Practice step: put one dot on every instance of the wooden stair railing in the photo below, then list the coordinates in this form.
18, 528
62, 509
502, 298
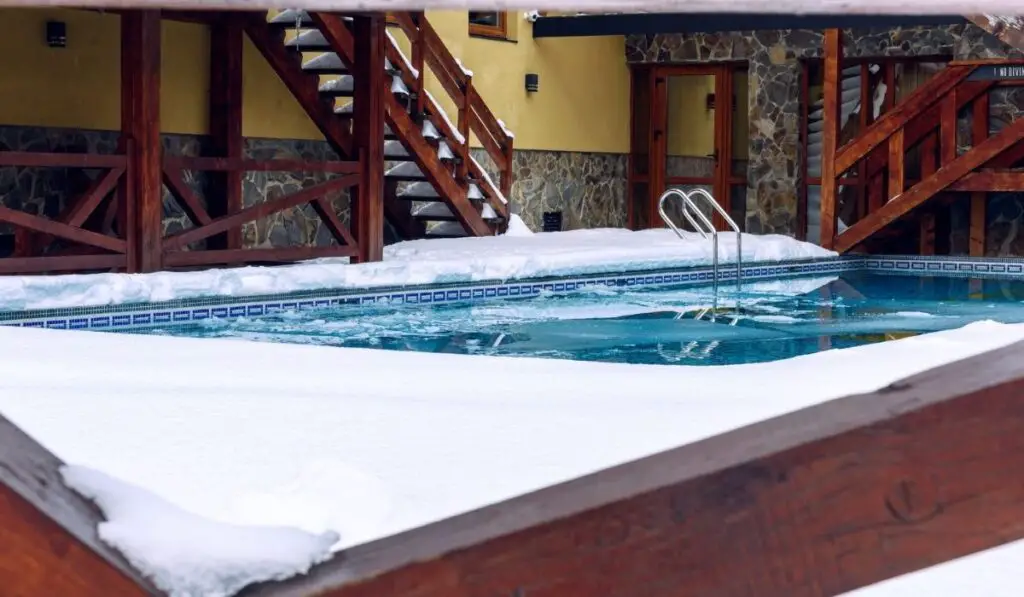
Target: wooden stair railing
927, 119
473, 114
338, 36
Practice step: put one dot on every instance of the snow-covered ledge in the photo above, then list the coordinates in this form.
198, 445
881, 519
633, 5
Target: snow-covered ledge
520, 253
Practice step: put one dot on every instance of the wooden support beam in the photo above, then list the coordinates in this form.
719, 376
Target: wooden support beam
78, 210
174, 178
947, 175
275, 255
48, 540
820, 501
140, 124
947, 129
259, 210
924, 96
897, 172
979, 199
225, 112
62, 262
368, 131
864, 120
830, 136
1009, 181
57, 229
184, 162
40, 159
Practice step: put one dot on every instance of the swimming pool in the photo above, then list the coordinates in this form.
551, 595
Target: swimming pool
767, 321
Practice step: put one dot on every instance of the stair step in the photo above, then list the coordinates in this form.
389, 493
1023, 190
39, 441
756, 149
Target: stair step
342, 86
424, 191
309, 39
447, 230
327, 63
438, 211
404, 172
395, 151
286, 18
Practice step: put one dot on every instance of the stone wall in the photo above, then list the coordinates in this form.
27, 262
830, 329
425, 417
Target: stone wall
588, 188
773, 104
45, 190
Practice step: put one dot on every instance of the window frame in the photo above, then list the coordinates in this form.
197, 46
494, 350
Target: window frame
499, 31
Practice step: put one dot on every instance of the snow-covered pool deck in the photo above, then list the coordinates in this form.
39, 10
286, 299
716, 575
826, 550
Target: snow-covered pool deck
369, 443
521, 255
365, 443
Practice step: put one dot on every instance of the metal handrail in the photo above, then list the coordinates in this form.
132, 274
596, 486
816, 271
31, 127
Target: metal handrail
709, 228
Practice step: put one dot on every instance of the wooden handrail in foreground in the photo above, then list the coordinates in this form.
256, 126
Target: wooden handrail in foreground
48, 538
817, 502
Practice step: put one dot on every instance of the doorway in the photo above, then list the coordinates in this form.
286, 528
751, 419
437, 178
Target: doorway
685, 135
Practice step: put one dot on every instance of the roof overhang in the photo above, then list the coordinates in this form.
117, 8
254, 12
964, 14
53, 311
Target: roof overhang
651, 23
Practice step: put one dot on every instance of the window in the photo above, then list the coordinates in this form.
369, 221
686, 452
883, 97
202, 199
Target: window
488, 24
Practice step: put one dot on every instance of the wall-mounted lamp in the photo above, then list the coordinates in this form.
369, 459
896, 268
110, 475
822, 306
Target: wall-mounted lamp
532, 82
56, 34
709, 101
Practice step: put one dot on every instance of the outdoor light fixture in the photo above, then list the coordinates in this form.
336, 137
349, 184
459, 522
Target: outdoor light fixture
56, 34
532, 82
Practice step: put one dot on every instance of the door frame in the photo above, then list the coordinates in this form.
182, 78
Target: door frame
657, 139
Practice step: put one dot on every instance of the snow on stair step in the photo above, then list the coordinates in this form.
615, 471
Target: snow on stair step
444, 153
447, 229
438, 210
430, 131
394, 150
425, 190
398, 87
343, 85
287, 18
326, 63
310, 39
406, 170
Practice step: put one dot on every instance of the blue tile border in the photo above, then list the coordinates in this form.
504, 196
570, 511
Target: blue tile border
965, 267
188, 311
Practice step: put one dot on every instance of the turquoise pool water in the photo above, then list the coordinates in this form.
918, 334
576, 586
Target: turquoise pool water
767, 321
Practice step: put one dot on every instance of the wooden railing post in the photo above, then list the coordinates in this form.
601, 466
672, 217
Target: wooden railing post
979, 132
830, 136
140, 123
506, 173
418, 49
368, 132
465, 114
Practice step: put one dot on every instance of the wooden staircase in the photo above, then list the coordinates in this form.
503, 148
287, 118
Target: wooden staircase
433, 187
912, 153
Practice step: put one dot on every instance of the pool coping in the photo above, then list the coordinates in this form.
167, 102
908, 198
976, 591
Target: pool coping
191, 310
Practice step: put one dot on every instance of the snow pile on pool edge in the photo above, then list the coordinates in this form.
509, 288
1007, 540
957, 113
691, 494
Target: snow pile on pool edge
519, 254
186, 555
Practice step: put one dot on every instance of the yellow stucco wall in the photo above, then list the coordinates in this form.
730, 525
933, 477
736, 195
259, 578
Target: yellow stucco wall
582, 105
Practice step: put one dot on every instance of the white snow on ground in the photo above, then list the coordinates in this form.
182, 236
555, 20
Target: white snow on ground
368, 443
186, 555
515, 255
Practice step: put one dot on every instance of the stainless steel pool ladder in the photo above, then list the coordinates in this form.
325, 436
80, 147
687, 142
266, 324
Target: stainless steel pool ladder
704, 226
